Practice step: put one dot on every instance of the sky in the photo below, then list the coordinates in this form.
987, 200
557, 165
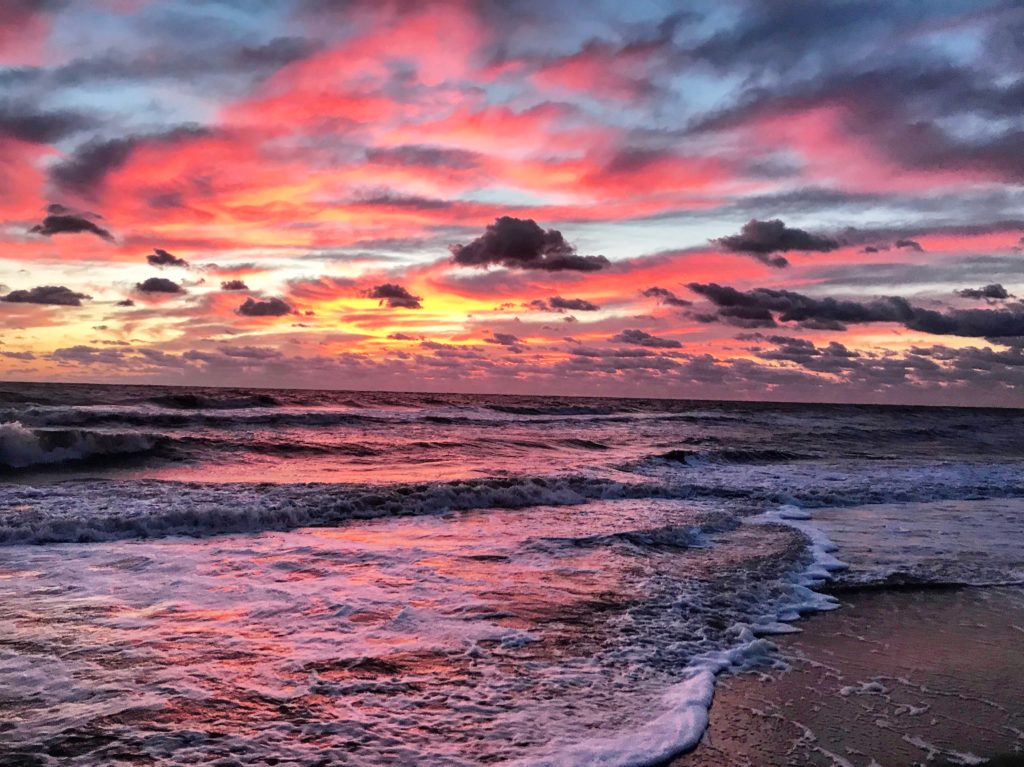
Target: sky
806, 200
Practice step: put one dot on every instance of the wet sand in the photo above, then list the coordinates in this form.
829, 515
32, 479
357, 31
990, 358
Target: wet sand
907, 677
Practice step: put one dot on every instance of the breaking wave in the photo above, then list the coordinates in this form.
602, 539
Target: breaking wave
189, 401
83, 512
22, 447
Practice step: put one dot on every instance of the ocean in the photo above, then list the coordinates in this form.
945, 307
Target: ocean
284, 577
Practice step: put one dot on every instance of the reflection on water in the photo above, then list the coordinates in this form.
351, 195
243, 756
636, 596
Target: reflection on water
461, 639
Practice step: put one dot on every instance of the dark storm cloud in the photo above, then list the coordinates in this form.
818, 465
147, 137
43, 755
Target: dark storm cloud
56, 295
789, 306
271, 307
233, 285
643, 338
666, 296
760, 239
521, 244
162, 258
61, 220
395, 296
86, 169
158, 285
994, 291
29, 124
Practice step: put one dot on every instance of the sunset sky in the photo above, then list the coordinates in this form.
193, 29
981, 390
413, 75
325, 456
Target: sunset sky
779, 200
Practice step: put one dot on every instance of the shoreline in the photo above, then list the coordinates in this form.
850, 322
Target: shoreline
894, 677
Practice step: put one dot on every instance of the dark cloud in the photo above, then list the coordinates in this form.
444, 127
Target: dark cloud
87, 168
909, 244
559, 304
521, 244
271, 307
832, 358
767, 304
125, 302
666, 297
572, 304
388, 199
158, 285
643, 338
503, 339
27, 123
276, 53
162, 258
61, 220
233, 285
994, 291
761, 239
418, 156
56, 295
394, 296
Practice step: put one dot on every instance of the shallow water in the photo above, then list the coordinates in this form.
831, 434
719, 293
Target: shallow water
285, 577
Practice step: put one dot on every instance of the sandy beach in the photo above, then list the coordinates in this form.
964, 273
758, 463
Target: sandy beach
907, 677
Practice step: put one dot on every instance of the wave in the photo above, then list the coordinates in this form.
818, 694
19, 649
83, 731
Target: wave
84, 511
555, 409
167, 418
22, 448
738, 455
191, 401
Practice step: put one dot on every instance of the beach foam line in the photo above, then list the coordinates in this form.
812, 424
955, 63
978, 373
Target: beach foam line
686, 705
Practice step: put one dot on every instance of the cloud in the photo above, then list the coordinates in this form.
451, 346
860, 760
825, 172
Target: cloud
559, 304
643, 338
394, 296
762, 238
24, 122
87, 168
56, 295
666, 297
503, 339
61, 220
233, 285
994, 291
419, 156
125, 302
572, 304
162, 258
158, 285
271, 307
765, 304
909, 244
522, 244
